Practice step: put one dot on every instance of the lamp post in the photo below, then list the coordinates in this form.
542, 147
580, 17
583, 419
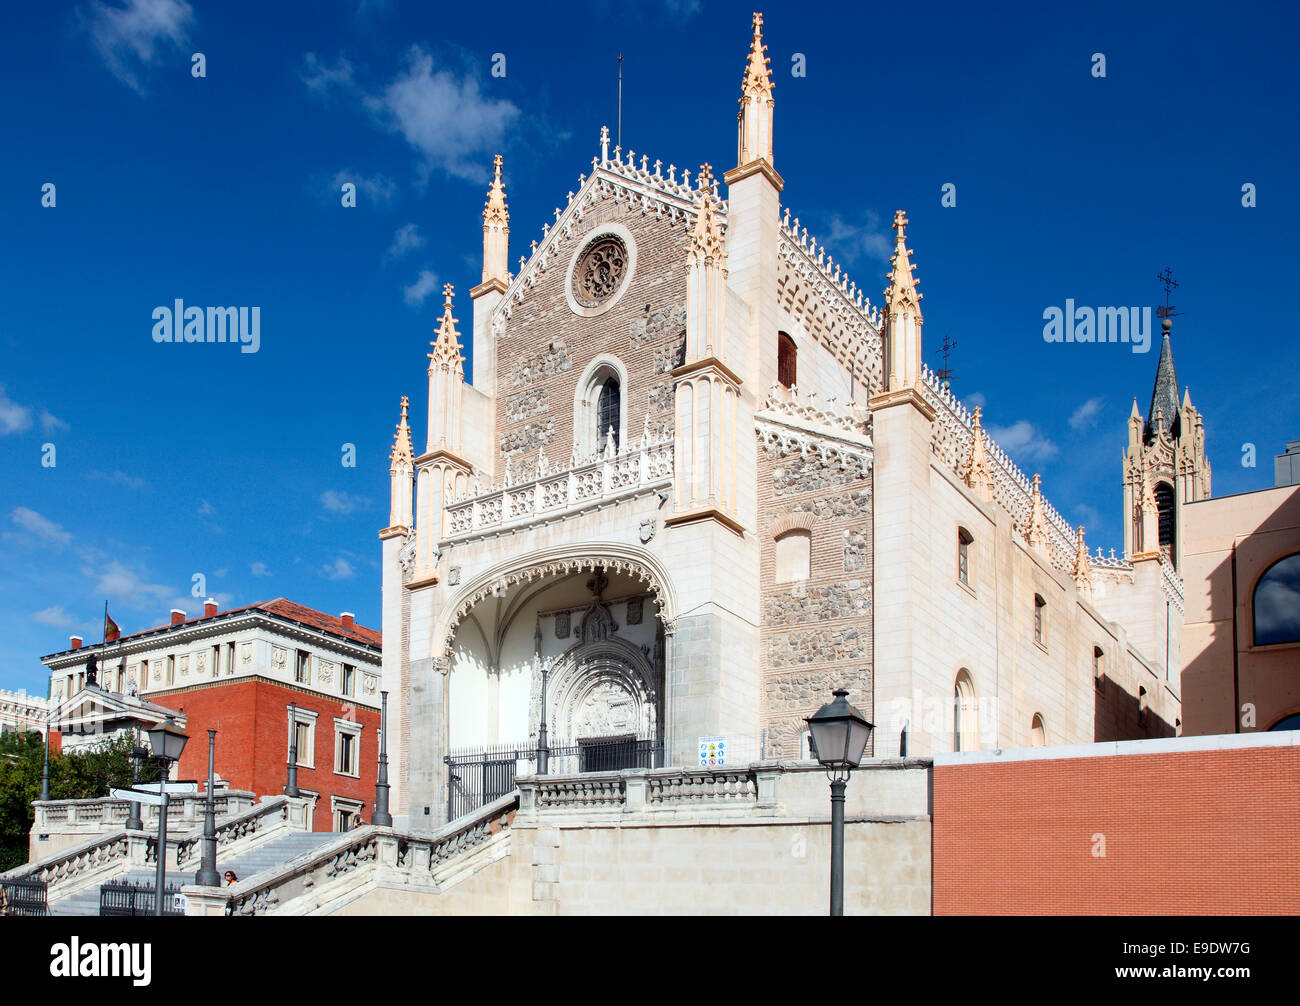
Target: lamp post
291, 788
45, 767
207, 875
133, 822
839, 736
543, 747
381, 816
167, 743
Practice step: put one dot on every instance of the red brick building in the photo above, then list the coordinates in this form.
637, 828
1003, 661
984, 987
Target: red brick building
244, 672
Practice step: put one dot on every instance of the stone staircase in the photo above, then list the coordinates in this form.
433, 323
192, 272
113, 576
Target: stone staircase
246, 864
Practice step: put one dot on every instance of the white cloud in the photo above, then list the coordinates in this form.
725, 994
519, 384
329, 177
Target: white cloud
407, 238
851, 242
1023, 441
259, 569
205, 509
131, 38
321, 78
682, 10
51, 423
378, 189
1087, 515
119, 583
342, 503
976, 399
119, 479
418, 292
55, 616
1085, 416
14, 418
41, 527
339, 569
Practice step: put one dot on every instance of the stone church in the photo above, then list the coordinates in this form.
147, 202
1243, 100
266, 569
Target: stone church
699, 479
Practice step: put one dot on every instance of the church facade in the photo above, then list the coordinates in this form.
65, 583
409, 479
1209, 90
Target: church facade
699, 479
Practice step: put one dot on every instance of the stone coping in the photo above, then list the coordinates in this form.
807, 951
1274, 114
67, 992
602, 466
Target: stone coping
1111, 749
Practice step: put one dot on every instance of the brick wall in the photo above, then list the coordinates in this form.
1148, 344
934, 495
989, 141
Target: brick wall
1185, 832
816, 633
251, 717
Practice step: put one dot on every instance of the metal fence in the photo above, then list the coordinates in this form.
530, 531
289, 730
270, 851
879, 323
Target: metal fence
126, 898
478, 776
26, 896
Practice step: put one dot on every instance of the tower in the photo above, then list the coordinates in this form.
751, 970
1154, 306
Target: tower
1165, 465
496, 277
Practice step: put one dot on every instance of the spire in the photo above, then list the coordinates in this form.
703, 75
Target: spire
756, 103
1082, 567
902, 282
976, 471
402, 456
706, 236
496, 230
1164, 395
446, 348
1037, 533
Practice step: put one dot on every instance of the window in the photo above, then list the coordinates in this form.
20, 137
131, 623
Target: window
305, 737
216, 660
607, 413
230, 658
963, 555
794, 555
1037, 733
302, 669
347, 747
1039, 607
1166, 526
1143, 703
348, 678
171, 668
1276, 611
787, 357
1098, 669
346, 813
965, 718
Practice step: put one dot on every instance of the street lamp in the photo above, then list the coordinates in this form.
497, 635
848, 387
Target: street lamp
839, 736
166, 743
291, 787
207, 875
133, 822
381, 816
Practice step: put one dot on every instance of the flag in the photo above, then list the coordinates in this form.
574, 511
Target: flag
111, 631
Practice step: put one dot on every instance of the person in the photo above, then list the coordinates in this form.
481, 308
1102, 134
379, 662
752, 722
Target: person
231, 878
358, 822
4, 899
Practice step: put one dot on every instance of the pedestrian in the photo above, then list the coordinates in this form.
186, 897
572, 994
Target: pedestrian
231, 878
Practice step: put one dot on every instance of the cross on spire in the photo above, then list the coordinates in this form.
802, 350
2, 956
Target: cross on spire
945, 372
1166, 279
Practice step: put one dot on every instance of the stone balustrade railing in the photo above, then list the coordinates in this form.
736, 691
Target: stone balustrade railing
277, 813
646, 463
635, 790
318, 876
97, 815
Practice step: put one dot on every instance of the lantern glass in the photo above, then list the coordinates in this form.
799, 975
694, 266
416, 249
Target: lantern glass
839, 732
167, 742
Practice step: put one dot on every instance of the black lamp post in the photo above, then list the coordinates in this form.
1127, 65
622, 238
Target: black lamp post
543, 746
207, 875
167, 743
133, 822
381, 816
291, 789
45, 767
839, 736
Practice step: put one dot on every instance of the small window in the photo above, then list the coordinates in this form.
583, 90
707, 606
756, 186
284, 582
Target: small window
965, 718
787, 357
171, 668
216, 660
1037, 732
963, 555
302, 670
347, 749
1098, 668
349, 679
230, 658
304, 737
346, 813
1143, 703
794, 556
1039, 607
608, 407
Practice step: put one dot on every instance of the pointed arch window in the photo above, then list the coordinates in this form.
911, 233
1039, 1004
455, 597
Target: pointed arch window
1166, 524
787, 360
1037, 732
608, 410
600, 405
965, 718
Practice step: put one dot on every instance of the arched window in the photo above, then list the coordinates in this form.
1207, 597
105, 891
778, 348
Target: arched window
965, 717
1040, 610
1276, 603
1098, 668
1143, 703
786, 360
1037, 732
1164, 494
608, 408
794, 555
964, 540
1291, 722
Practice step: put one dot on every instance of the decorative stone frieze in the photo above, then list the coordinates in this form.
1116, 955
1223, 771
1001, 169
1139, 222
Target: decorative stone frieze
556, 359
527, 404
532, 436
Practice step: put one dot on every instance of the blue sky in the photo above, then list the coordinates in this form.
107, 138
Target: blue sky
177, 460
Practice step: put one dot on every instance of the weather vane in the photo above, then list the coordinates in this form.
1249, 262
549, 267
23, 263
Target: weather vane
945, 372
1170, 284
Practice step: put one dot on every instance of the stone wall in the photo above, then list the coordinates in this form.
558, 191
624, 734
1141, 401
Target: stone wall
816, 633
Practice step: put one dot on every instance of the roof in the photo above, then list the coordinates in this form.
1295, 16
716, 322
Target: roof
1164, 395
280, 607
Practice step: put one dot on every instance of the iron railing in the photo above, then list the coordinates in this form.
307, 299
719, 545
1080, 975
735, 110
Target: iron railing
126, 898
27, 896
476, 777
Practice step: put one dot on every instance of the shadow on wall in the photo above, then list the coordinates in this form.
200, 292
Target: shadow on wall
1118, 716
